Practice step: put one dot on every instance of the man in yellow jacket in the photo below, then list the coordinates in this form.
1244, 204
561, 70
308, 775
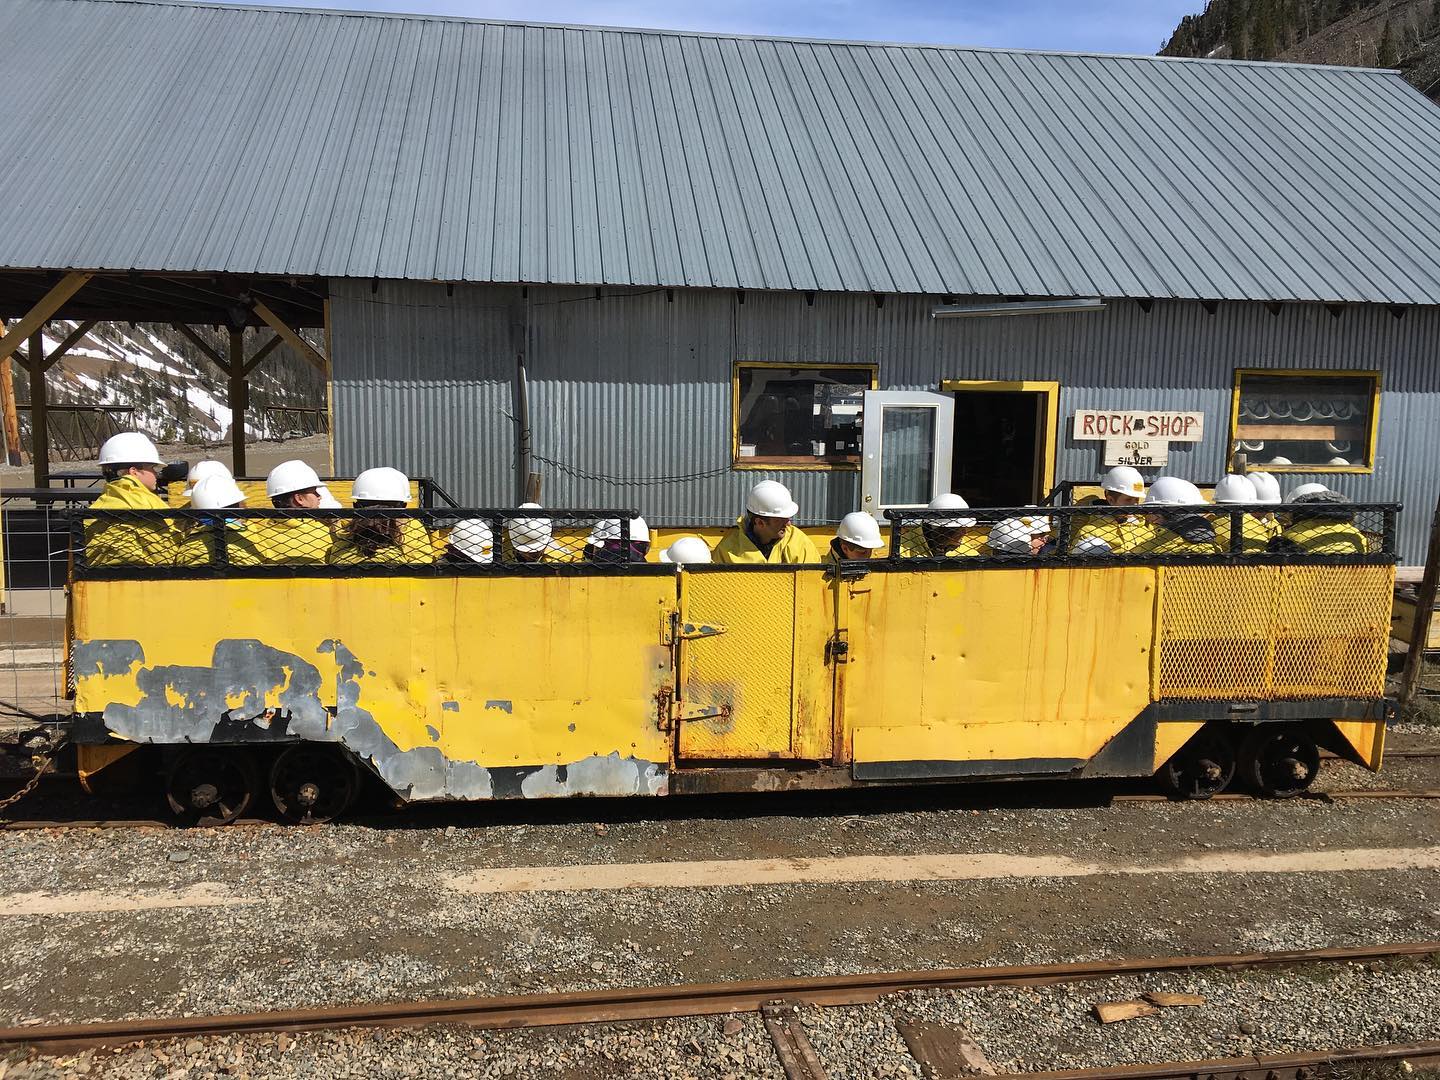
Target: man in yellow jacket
764, 534
1320, 524
131, 467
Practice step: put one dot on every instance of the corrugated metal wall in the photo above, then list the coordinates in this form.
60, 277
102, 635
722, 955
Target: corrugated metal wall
635, 385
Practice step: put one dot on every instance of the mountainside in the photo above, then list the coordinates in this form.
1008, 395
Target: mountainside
177, 394
1402, 34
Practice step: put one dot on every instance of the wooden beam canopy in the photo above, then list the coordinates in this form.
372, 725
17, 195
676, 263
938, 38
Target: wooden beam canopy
294, 340
44, 309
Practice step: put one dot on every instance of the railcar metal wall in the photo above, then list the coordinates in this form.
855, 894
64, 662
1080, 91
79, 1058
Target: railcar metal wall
634, 385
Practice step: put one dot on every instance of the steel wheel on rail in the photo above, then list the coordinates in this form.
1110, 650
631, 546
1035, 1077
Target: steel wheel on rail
1279, 760
1203, 767
312, 783
210, 785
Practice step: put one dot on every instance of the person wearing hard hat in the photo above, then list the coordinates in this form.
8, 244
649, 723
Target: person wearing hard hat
856, 537
604, 545
532, 540
1186, 530
1026, 535
1320, 524
472, 541
1256, 530
686, 550
382, 538
200, 542
198, 471
293, 541
131, 467
764, 533
950, 537
1113, 534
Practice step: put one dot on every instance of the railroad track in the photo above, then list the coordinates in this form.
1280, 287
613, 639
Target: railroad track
775, 999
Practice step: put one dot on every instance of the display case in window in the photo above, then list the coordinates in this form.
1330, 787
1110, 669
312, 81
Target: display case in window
799, 417
1306, 421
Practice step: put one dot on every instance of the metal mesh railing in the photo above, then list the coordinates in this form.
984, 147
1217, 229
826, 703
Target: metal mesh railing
359, 541
1101, 534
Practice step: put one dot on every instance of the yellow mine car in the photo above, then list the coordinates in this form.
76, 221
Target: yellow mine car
450, 677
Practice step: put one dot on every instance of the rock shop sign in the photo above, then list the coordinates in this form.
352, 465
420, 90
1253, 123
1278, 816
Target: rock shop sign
1138, 437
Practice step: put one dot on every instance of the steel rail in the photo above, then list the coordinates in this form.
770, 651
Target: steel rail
1268, 1067
663, 1002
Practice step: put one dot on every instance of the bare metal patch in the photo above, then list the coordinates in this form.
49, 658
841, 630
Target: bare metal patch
608, 775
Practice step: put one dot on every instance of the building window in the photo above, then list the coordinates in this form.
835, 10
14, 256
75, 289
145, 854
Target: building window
1307, 421
801, 417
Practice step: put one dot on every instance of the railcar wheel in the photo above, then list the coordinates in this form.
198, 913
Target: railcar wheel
1279, 761
1203, 767
313, 784
211, 786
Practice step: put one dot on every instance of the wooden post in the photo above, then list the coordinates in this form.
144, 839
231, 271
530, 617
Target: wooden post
238, 403
7, 407
39, 418
1424, 611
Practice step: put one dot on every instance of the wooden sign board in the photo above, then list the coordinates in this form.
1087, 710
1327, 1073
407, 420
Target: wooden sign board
1137, 453
1160, 425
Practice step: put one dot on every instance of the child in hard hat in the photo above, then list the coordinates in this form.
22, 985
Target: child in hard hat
131, 467
201, 543
764, 533
384, 539
1113, 534
1321, 523
686, 550
857, 537
1181, 531
604, 545
1256, 529
300, 540
532, 540
1026, 535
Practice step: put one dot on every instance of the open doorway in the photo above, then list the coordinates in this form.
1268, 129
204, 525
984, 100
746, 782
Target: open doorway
1004, 449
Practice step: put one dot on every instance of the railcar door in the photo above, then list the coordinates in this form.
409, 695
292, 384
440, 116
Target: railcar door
753, 674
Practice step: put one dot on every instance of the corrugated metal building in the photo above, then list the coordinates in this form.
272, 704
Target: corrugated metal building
636, 217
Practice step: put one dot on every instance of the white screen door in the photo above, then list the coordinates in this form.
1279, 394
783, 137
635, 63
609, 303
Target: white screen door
909, 439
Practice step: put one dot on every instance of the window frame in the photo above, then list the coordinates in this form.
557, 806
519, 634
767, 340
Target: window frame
1373, 420
798, 464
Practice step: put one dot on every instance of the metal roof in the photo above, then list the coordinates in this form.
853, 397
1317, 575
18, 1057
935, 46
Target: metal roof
175, 136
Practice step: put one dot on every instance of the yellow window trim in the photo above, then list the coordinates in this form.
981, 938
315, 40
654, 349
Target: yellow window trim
1314, 373
766, 464
1051, 390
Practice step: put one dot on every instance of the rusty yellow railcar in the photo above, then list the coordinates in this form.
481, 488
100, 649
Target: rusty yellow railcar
452, 679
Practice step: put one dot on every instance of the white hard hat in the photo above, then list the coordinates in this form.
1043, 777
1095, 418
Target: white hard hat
950, 501
1304, 489
215, 492
770, 498
1172, 491
1235, 488
473, 539
1093, 545
327, 500
1279, 460
380, 485
609, 529
1267, 488
1123, 480
861, 530
530, 534
201, 469
1013, 535
129, 448
1337, 461
688, 549
290, 476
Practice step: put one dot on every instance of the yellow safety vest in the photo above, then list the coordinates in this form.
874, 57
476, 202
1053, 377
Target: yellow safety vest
294, 541
736, 548
197, 546
143, 539
415, 547
1324, 538
1124, 534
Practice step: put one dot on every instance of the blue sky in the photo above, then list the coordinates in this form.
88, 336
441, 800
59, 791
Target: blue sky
1132, 26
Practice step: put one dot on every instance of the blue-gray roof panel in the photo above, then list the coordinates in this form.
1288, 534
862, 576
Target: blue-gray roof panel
196, 137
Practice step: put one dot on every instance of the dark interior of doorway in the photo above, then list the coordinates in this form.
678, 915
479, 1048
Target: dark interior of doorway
997, 445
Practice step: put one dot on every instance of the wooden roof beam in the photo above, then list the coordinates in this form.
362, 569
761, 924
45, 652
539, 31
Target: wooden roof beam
44, 310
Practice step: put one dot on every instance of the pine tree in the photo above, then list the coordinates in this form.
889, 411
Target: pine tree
1385, 54
1235, 20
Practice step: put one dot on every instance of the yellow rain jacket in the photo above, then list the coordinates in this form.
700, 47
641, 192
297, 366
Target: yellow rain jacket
1321, 537
1255, 532
737, 549
141, 539
295, 541
1123, 534
416, 547
1194, 537
914, 545
197, 546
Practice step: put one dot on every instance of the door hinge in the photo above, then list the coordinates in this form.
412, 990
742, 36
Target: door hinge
669, 712
689, 631
837, 650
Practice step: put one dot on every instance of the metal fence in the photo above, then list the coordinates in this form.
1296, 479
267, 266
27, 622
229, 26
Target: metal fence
76, 432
